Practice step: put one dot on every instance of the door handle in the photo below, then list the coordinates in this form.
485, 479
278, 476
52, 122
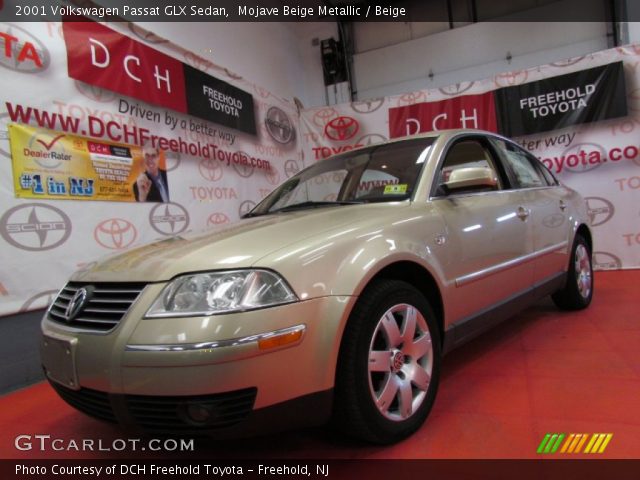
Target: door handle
563, 206
523, 213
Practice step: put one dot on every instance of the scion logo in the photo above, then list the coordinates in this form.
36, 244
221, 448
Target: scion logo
169, 218
606, 261
146, 36
35, 227
368, 106
510, 79
94, 93
371, 139
411, 98
22, 52
115, 233
341, 128
245, 171
291, 168
39, 300
246, 207
600, 210
210, 169
217, 218
456, 89
322, 116
273, 177
279, 125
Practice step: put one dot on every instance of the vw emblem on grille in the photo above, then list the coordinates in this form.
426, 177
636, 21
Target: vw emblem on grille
76, 304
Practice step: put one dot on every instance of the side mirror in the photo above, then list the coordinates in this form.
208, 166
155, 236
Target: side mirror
470, 178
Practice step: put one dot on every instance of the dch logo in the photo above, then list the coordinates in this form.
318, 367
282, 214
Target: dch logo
341, 128
35, 227
510, 79
246, 207
606, 261
210, 169
39, 300
115, 233
279, 125
322, 116
273, 177
291, 168
94, 93
22, 51
368, 106
456, 89
217, 218
169, 218
600, 210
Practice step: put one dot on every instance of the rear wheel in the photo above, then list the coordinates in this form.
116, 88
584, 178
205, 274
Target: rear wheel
389, 364
578, 290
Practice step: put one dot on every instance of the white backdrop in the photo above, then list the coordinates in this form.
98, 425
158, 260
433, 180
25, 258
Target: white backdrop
206, 194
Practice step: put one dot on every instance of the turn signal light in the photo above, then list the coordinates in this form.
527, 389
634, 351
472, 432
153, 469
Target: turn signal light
280, 340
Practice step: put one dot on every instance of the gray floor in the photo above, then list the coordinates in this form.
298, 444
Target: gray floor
19, 350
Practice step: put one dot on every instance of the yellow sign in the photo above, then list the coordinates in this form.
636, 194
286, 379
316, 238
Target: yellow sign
395, 189
54, 165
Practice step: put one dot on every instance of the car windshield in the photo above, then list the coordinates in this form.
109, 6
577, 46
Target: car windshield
382, 173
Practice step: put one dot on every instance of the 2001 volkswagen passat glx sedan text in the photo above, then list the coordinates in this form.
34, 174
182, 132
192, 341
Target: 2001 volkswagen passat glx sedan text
335, 297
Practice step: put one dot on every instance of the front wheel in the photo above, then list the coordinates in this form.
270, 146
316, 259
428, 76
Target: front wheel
389, 364
578, 291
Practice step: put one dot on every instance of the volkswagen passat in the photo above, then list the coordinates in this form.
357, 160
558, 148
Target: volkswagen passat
336, 296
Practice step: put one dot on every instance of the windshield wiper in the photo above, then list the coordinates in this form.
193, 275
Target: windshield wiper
314, 204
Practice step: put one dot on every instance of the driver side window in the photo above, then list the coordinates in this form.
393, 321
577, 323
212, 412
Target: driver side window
468, 168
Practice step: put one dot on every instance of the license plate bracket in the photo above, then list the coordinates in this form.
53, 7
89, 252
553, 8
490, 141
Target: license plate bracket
59, 360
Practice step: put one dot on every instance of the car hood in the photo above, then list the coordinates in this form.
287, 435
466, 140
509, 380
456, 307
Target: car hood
237, 245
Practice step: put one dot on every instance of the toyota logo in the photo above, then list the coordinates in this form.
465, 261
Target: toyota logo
76, 303
210, 169
575, 163
553, 221
244, 170
411, 98
511, 78
341, 128
35, 302
169, 218
456, 89
35, 227
279, 126
25, 55
371, 139
600, 210
196, 61
145, 35
115, 233
606, 261
322, 116
246, 207
568, 63
291, 168
368, 106
217, 218
95, 93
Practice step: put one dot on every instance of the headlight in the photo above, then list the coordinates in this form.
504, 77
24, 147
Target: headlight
220, 292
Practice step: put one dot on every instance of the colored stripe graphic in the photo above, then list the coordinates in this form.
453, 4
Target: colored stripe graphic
596, 443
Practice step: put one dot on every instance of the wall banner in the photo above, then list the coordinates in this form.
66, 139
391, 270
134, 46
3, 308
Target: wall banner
105, 58
56, 166
553, 103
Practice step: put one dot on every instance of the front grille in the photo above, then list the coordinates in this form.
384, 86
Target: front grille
172, 414
105, 306
93, 403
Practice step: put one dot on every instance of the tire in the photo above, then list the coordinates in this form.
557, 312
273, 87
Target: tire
578, 291
390, 349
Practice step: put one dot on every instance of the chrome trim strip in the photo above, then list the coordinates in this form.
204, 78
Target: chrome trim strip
232, 342
472, 277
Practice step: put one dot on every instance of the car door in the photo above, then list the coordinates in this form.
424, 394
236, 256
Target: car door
488, 235
546, 201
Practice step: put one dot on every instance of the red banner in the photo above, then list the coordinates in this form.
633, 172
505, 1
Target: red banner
467, 111
100, 56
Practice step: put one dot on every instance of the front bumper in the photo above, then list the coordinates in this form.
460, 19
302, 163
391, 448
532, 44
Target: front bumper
140, 362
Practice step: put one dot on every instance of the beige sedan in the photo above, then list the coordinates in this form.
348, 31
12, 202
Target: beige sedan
336, 297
